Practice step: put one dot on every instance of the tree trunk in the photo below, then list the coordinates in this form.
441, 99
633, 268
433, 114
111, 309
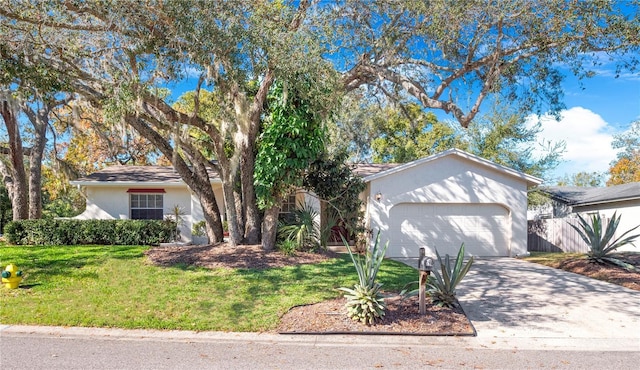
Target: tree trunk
237, 198
17, 186
197, 181
248, 160
251, 213
270, 227
35, 162
213, 223
235, 237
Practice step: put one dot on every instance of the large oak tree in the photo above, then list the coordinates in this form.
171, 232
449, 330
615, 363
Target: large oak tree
444, 55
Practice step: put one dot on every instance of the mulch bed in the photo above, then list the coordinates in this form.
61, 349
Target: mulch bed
401, 318
610, 273
224, 256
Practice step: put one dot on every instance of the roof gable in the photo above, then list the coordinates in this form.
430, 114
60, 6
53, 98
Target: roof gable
368, 169
530, 180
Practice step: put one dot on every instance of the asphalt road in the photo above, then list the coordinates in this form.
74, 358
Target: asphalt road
112, 349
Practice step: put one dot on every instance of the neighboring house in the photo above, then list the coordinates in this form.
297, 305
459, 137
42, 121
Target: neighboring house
566, 201
439, 201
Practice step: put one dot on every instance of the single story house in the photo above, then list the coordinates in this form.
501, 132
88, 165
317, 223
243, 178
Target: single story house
440, 201
566, 201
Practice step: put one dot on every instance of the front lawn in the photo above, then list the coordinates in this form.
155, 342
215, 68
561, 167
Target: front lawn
115, 286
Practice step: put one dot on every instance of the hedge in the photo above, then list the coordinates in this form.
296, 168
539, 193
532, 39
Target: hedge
103, 232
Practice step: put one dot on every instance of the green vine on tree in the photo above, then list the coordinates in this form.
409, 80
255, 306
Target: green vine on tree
292, 138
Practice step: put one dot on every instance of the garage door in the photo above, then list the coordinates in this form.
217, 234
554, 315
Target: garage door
482, 227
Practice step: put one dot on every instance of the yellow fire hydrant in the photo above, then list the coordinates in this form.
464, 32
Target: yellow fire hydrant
11, 276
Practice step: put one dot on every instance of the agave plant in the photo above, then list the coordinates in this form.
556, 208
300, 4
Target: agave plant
441, 286
602, 245
365, 302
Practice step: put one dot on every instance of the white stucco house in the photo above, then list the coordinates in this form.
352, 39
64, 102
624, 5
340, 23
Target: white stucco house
447, 199
143, 192
439, 202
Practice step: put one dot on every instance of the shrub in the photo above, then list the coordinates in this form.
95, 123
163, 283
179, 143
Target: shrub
287, 247
601, 246
14, 232
102, 232
364, 301
441, 286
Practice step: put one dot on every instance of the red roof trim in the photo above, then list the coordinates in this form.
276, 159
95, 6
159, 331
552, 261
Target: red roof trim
146, 191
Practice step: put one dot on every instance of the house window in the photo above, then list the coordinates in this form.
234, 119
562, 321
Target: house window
146, 206
289, 204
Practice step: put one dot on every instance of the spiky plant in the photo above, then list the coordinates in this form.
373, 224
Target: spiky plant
603, 245
364, 301
331, 220
441, 286
303, 229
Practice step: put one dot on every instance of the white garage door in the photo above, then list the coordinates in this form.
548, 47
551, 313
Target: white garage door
483, 228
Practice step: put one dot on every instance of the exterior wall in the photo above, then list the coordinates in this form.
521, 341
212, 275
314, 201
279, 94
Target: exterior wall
112, 202
105, 203
630, 217
180, 197
451, 179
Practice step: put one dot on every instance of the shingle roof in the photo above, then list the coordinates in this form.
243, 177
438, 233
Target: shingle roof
574, 195
133, 174
167, 174
366, 169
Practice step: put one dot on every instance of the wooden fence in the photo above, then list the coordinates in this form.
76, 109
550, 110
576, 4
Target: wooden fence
555, 235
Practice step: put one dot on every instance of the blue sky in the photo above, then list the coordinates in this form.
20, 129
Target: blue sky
602, 107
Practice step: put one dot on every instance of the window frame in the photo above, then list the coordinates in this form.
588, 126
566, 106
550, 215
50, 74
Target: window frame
145, 212
289, 203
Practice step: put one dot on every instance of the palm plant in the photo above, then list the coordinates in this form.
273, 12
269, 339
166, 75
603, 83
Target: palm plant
177, 214
365, 302
303, 229
331, 220
602, 245
441, 286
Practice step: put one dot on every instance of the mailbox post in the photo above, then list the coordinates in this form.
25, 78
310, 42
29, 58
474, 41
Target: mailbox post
425, 264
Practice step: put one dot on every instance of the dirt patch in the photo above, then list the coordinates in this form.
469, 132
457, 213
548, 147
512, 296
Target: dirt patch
606, 272
402, 317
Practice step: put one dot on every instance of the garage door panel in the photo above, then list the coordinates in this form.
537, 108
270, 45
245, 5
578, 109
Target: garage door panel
481, 227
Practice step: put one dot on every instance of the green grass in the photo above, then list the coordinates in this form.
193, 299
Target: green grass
552, 259
114, 286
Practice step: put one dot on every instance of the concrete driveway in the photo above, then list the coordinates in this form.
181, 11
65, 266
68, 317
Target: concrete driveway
507, 297
511, 298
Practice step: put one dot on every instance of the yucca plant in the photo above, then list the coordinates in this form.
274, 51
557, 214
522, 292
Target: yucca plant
441, 286
602, 245
365, 302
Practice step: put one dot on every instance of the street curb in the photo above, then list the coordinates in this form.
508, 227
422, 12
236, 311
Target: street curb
382, 341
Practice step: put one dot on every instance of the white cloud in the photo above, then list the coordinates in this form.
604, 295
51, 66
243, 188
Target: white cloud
587, 136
